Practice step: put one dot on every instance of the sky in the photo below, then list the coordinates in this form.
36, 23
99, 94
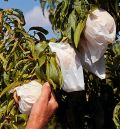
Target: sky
32, 12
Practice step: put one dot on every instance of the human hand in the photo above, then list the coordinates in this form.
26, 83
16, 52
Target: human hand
43, 109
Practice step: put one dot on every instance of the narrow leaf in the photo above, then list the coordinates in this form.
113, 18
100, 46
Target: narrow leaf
40, 29
9, 87
78, 32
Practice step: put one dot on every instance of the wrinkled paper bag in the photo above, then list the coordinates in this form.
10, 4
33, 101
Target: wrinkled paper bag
100, 31
29, 94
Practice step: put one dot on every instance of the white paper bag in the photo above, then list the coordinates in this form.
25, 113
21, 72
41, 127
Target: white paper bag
70, 65
100, 30
28, 93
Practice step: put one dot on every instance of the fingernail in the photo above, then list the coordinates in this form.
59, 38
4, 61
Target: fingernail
46, 84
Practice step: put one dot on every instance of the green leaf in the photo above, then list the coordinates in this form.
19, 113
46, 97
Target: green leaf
78, 32
10, 105
2, 58
39, 71
3, 110
61, 81
40, 47
25, 68
13, 111
14, 47
64, 7
9, 87
18, 13
21, 62
72, 21
42, 60
2, 124
22, 117
116, 115
23, 32
2, 45
6, 76
43, 3
116, 48
14, 126
52, 71
40, 29
78, 6
41, 36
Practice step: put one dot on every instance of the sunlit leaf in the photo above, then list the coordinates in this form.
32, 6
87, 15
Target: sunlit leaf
78, 32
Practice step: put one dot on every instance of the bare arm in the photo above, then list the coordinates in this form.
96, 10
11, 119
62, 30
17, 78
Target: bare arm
43, 109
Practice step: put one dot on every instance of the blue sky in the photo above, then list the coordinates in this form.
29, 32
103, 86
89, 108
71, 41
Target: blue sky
32, 12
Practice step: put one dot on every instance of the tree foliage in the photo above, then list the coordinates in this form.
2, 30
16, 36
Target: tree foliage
23, 57
69, 14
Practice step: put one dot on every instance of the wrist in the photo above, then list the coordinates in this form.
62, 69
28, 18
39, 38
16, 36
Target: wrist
35, 123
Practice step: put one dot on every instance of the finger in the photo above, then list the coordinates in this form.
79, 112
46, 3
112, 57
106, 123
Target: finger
52, 97
52, 102
16, 98
46, 91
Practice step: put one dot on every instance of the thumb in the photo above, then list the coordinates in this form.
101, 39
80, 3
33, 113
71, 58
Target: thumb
46, 91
